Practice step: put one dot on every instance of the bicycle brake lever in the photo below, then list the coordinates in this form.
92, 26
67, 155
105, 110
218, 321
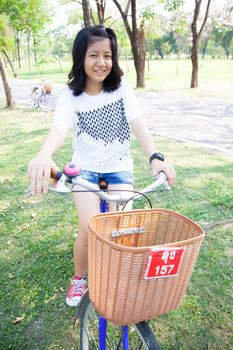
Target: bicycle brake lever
162, 177
165, 183
60, 185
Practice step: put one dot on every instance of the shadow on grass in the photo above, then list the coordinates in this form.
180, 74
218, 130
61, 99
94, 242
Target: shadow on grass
35, 275
19, 136
39, 299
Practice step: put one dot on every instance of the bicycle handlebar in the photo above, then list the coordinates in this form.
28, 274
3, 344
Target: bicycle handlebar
76, 179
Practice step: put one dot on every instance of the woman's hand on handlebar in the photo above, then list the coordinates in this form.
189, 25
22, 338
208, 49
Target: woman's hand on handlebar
159, 166
39, 170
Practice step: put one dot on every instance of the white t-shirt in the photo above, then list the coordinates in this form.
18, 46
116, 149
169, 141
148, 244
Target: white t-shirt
101, 139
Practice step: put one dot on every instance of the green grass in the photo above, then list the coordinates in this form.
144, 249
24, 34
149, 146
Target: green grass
48, 72
176, 74
37, 235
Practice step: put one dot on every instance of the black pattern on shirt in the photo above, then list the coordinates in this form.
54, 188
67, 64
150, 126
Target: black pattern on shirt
107, 123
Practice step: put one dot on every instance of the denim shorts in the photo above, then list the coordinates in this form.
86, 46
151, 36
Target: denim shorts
120, 177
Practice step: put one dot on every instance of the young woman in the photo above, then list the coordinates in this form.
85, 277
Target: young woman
102, 109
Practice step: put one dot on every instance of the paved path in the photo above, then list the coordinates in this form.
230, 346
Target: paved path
204, 121
207, 122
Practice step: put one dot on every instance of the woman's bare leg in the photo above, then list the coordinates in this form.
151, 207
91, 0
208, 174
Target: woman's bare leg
87, 204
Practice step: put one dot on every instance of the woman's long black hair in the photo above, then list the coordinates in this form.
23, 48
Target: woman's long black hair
85, 37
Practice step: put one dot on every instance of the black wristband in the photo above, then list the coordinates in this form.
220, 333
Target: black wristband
156, 155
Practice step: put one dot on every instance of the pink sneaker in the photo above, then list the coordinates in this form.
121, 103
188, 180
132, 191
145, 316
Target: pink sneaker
76, 291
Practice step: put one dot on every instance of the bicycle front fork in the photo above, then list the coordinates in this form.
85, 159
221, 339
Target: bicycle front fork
103, 335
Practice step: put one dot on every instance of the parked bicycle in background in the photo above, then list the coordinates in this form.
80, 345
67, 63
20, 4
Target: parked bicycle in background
43, 97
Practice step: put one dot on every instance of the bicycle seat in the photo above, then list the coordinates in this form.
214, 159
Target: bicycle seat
103, 185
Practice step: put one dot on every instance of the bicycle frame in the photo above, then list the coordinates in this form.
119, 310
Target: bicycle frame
71, 174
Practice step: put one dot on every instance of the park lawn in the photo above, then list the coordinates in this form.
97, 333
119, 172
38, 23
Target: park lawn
37, 235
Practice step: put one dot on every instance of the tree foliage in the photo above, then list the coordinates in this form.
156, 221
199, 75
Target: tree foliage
223, 29
61, 45
27, 17
6, 34
143, 29
172, 5
223, 35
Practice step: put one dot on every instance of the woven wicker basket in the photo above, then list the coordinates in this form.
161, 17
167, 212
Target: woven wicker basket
116, 269
47, 88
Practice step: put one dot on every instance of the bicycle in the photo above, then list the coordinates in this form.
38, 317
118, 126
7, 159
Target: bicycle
43, 98
93, 324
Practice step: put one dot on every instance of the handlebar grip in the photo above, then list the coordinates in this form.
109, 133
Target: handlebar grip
55, 174
162, 176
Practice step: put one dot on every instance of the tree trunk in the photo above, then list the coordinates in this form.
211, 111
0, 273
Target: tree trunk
10, 63
101, 6
160, 52
34, 49
141, 75
86, 13
28, 51
18, 49
194, 58
137, 40
9, 97
139, 58
194, 49
60, 64
204, 49
139, 52
195, 40
142, 55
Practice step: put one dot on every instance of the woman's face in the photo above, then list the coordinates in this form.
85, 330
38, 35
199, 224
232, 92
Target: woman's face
98, 62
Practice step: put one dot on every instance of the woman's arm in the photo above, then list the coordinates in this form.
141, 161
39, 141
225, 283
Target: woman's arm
145, 139
39, 167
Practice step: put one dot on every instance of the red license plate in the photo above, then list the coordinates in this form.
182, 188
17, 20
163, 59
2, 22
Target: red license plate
164, 262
